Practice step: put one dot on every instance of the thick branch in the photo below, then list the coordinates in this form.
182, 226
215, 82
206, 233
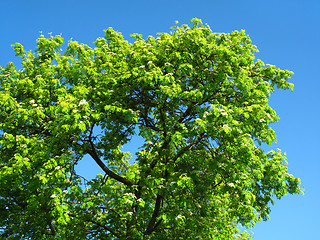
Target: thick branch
96, 158
152, 222
110, 173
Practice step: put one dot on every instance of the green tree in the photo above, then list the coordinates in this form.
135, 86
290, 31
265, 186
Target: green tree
199, 100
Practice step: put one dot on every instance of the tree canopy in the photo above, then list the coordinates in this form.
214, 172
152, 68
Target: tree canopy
199, 100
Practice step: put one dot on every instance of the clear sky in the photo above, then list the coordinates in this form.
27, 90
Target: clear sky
287, 33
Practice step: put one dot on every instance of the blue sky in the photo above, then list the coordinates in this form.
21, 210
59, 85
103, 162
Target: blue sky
286, 33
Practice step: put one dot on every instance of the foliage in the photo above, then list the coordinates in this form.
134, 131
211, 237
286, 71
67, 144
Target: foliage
199, 100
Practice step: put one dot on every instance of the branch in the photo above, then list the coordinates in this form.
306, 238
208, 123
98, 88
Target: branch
97, 159
157, 224
152, 223
194, 202
188, 147
107, 228
100, 225
217, 184
147, 122
53, 231
185, 114
92, 152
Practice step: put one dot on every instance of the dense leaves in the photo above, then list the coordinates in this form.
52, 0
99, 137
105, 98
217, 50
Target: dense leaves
199, 100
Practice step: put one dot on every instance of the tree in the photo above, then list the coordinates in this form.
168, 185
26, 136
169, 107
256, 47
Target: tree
199, 100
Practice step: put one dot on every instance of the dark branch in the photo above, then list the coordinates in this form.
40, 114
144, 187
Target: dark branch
188, 147
96, 158
53, 231
152, 223
110, 173
106, 228
157, 224
99, 225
